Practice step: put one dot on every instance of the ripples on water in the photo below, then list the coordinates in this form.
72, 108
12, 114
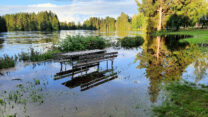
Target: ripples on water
139, 74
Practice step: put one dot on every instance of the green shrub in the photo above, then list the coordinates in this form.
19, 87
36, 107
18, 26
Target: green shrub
7, 62
76, 43
36, 56
131, 42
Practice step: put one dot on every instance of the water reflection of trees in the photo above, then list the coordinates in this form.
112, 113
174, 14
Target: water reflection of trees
165, 59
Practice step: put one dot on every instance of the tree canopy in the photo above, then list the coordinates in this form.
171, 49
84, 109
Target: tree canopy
42, 21
159, 12
103, 24
123, 23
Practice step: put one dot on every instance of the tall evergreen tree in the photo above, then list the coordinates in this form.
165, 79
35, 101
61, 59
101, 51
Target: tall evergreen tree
44, 21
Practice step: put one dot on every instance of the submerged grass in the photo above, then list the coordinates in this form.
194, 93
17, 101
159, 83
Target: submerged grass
24, 94
184, 100
35, 56
199, 35
7, 62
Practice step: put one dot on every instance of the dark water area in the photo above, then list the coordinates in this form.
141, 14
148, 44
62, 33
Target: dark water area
130, 87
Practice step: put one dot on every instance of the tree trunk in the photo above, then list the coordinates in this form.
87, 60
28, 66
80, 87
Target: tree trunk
160, 19
158, 48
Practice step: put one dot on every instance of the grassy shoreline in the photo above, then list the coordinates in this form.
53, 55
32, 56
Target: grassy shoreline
184, 100
199, 35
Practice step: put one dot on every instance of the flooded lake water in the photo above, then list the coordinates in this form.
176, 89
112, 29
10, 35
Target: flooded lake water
132, 86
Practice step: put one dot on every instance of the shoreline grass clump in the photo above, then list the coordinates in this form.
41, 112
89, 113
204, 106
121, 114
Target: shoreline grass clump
7, 62
35, 56
78, 43
131, 42
184, 100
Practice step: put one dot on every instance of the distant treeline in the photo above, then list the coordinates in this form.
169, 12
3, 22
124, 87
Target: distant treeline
94, 23
48, 21
107, 24
42, 21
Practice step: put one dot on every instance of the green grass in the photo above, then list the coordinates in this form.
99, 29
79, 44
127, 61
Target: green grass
7, 62
35, 56
199, 35
184, 100
76, 43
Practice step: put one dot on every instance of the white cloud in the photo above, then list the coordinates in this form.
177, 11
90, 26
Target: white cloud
78, 10
46, 5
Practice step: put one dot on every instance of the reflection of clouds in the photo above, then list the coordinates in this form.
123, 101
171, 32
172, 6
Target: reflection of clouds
125, 54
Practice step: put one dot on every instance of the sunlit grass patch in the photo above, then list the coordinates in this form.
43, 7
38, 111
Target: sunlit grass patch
184, 100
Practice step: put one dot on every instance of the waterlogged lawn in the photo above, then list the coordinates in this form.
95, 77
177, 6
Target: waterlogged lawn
199, 36
184, 100
24, 94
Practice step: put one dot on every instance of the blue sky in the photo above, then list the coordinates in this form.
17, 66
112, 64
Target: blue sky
71, 10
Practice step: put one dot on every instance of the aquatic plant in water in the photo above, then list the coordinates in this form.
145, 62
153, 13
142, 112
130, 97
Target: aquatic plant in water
7, 62
76, 43
30, 92
131, 42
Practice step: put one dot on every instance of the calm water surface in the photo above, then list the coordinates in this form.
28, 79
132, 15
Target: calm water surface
140, 73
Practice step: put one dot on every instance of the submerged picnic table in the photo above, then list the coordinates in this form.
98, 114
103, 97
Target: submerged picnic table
83, 60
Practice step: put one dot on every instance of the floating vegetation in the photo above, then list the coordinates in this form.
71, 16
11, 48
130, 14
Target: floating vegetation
7, 62
24, 94
131, 42
35, 56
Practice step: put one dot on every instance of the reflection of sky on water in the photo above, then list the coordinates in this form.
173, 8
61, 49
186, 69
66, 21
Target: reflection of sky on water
131, 94
116, 97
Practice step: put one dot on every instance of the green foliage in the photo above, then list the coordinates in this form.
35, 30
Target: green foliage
177, 21
7, 62
138, 21
37, 81
192, 10
184, 100
204, 20
2, 25
75, 43
68, 26
35, 56
130, 42
43, 21
105, 25
122, 23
